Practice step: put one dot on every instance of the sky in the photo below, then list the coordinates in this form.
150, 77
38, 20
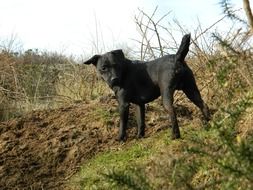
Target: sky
74, 26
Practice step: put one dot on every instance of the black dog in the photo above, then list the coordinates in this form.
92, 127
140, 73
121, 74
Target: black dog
140, 83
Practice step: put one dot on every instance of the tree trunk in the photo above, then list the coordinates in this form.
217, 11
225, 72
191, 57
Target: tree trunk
246, 6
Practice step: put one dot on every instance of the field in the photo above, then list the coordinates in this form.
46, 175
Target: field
59, 123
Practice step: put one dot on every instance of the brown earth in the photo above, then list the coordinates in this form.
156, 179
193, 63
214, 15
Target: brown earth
43, 149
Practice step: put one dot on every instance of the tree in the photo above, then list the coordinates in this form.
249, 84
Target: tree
247, 9
231, 13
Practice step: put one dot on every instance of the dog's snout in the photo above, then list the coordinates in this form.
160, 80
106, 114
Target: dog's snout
114, 81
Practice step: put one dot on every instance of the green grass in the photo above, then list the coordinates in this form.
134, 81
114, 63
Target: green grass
137, 152
107, 116
132, 158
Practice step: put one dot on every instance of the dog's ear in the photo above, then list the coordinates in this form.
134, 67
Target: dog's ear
92, 60
118, 53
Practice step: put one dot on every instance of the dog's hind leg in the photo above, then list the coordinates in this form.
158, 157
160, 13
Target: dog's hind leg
140, 116
192, 92
167, 98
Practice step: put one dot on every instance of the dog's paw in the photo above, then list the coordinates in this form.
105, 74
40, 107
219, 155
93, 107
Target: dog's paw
175, 136
140, 134
121, 139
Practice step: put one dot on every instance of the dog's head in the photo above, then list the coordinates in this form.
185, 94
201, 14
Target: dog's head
109, 66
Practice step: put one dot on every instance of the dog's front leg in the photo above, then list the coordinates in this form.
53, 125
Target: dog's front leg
124, 112
140, 116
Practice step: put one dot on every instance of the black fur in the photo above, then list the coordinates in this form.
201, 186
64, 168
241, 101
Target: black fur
142, 82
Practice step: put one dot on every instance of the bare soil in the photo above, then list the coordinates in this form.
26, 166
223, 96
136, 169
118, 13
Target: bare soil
43, 149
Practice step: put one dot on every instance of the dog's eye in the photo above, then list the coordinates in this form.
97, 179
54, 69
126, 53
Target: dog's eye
103, 68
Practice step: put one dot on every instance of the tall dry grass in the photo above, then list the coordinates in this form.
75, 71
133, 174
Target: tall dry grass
42, 80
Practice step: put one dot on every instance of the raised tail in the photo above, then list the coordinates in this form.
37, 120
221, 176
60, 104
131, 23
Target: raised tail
183, 48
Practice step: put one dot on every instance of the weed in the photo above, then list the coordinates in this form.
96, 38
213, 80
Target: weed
108, 116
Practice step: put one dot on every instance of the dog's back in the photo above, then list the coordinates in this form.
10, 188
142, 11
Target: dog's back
169, 66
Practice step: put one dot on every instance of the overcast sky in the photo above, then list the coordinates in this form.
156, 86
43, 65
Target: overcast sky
70, 25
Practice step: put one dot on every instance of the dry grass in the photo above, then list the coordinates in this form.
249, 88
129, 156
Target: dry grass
40, 80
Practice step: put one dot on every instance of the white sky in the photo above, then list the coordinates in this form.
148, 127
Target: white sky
69, 26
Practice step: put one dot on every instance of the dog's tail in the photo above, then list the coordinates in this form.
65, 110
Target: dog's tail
183, 48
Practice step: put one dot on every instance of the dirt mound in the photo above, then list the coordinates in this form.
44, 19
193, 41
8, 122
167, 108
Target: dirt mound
41, 150
45, 148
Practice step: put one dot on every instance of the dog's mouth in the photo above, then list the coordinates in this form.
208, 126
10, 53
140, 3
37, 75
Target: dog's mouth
115, 82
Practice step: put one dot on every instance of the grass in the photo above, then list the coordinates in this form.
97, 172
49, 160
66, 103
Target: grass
92, 174
214, 157
107, 116
129, 160
35, 80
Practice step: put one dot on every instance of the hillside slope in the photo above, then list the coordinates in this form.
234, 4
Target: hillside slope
45, 148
